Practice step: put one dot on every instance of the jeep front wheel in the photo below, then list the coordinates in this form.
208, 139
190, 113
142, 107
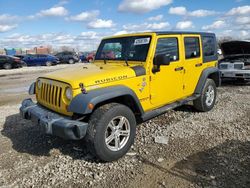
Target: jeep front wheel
208, 96
111, 131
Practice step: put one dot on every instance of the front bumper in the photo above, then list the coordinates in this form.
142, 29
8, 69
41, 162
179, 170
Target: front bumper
53, 123
245, 74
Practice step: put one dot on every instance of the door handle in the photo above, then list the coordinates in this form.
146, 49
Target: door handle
198, 64
178, 69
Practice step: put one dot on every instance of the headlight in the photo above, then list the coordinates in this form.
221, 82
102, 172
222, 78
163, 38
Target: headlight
68, 93
39, 84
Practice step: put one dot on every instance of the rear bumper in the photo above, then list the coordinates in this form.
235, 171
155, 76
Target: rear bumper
53, 123
245, 74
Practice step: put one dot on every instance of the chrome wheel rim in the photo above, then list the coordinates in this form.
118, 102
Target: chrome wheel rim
117, 133
210, 95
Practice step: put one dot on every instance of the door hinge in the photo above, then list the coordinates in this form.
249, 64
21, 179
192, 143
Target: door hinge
150, 78
183, 87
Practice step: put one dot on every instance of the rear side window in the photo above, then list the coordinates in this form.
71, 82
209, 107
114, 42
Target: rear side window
169, 47
192, 47
208, 45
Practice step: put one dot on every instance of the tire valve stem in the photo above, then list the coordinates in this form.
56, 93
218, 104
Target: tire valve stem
83, 89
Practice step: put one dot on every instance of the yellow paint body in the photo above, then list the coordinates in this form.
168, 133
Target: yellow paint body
152, 89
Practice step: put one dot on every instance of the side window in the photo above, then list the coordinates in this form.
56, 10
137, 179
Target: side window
169, 47
192, 47
208, 46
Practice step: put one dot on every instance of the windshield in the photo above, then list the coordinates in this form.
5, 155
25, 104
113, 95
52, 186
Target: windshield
125, 48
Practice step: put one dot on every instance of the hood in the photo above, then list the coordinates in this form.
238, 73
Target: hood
233, 48
91, 75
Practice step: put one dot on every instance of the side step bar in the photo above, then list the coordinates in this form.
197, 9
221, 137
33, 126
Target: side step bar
159, 111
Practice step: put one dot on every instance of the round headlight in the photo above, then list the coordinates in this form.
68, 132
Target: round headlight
39, 84
68, 93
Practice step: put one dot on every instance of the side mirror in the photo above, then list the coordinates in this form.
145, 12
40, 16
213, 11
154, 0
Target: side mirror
159, 60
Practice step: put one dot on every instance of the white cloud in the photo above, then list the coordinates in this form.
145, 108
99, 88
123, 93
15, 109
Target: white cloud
142, 6
202, 13
242, 10
216, 25
184, 25
6, 18
181, 11
243, 20
99, 23
54, 11
5, 28
121, 32
156, 18
86, 41
146, 26
244, 33
84, 16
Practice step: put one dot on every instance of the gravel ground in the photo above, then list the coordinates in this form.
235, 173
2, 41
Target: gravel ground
200, 149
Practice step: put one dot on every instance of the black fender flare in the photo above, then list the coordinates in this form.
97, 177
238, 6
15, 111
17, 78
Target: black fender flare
79, 103
211, 72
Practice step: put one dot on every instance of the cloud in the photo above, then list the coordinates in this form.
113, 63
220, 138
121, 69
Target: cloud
184, 25
5, 28
202, 13
122, 32
84, 16
54, 11
7, 18
156, 18
146, 26
99, 24
142, 6
215, 25
242, 10
86, 41
242, 20
182, 11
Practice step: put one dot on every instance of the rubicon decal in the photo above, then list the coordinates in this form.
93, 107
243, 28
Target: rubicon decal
105, 80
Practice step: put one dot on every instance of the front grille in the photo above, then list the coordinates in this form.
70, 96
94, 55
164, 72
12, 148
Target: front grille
51, 94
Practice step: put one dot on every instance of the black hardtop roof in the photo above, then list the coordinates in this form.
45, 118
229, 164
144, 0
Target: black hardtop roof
182, 32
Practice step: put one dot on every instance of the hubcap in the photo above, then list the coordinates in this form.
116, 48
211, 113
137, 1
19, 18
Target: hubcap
117, 133
209, 95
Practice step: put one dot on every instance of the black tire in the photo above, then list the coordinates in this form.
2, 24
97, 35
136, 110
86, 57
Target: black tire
7, 66
71, 61
202, 104
48, 63
97, 132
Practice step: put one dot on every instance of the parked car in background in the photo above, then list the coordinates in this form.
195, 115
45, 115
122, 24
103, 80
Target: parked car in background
20, 56
9, 62
67, 57
40, 59
83, 58
236, 62
90, 57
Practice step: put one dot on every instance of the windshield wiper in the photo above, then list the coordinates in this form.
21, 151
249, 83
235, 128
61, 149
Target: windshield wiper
126, 60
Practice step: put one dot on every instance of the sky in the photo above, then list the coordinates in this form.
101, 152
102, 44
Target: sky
82, 23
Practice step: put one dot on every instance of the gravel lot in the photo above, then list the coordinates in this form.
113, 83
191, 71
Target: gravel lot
200, 150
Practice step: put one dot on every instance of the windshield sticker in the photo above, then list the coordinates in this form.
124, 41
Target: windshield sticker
141, 41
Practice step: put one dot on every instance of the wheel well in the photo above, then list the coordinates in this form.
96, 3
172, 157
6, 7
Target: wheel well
126, 100
215, 77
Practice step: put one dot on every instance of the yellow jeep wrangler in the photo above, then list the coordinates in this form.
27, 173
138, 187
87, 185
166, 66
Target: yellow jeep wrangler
135, 77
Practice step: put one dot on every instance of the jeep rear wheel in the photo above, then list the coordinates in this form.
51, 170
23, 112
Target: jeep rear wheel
111, 131
208, 96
